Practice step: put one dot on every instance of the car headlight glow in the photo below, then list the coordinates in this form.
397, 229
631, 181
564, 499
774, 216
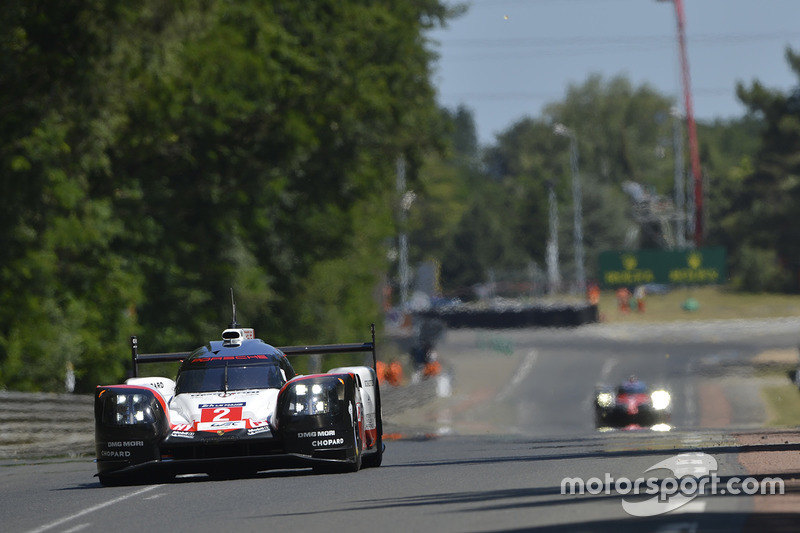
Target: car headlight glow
315, 403
130, 409
605, 399
660, 399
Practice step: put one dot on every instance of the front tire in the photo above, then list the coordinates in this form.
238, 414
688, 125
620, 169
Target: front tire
355, 466
375, 459
344, 467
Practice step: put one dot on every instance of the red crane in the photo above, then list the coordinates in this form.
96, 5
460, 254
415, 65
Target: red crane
697, 173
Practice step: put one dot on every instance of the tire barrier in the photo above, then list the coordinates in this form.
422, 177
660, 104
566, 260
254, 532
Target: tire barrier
523, 316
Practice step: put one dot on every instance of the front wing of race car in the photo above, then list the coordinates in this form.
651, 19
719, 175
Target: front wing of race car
319, 421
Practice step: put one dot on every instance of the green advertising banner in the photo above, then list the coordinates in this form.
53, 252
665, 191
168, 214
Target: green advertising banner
703, 266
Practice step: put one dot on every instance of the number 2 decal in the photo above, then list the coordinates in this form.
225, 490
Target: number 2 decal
221, 414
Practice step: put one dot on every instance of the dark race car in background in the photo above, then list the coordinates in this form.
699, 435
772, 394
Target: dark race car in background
632, 405
237, 407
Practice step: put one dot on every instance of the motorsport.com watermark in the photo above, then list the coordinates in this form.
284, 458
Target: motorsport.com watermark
694, 474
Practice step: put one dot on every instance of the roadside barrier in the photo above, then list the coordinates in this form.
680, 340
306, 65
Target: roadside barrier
522, 316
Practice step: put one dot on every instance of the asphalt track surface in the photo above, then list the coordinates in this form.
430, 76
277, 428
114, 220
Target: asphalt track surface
494, 453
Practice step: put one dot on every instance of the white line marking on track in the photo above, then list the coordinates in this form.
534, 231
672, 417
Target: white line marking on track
522, 373
691, 404
92, 509
76, 528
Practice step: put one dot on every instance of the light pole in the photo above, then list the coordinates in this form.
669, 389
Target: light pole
580, 275
694, 151
680, 195
406, 199
553, 275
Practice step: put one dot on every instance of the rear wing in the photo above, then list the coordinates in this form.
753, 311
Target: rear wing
139, 358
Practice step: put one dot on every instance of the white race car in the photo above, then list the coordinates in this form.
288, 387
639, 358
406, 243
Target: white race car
237, 407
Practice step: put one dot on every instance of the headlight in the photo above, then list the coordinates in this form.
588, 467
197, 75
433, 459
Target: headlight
605, 399
128, 409
319, 398
314, 400
660, 399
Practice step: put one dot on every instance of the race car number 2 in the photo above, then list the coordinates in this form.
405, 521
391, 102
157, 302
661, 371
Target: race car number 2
221, 413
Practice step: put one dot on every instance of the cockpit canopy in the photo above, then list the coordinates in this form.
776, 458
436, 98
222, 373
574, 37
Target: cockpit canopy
251, 365
230, 377
632, 387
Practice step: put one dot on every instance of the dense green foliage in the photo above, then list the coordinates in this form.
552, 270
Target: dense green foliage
763, 214
153, 155
156, 154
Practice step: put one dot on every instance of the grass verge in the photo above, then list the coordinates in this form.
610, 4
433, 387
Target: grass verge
715, 303
782, 404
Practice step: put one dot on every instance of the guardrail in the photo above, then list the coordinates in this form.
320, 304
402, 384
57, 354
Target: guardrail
45, 425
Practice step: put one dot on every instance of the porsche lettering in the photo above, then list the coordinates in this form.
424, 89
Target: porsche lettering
229, 358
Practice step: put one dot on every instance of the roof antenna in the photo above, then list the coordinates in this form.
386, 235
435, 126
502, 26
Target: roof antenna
234, 323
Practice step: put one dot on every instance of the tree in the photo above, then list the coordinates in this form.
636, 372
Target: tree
156, 155
728, 150
64, 292
623, 131
622, 135
763, 214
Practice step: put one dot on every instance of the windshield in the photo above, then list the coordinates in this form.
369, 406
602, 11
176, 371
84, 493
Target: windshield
209, 379
636, 387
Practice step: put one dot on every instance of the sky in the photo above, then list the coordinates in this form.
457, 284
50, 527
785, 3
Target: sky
506, 59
